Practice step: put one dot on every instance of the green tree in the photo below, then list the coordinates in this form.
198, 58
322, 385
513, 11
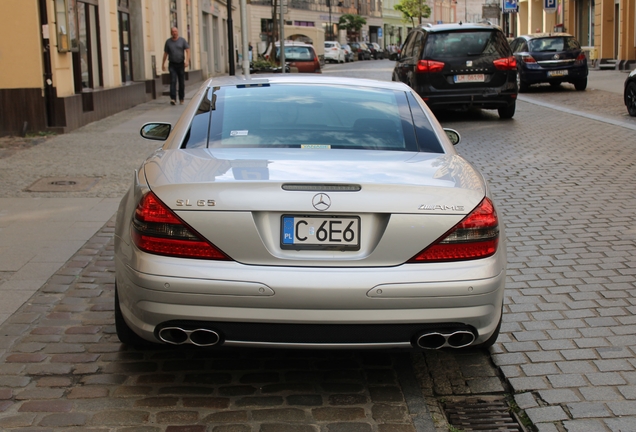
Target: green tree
413, 8
352, 24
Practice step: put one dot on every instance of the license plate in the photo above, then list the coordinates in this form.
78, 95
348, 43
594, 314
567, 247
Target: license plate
470, 78
320, 232
557, 73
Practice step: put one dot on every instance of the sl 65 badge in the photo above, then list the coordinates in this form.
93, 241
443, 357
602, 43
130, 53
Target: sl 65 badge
197, 203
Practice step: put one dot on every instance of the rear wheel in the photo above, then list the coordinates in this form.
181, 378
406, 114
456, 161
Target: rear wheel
125, 334
508, 111
580, 84
630, 99
522, 86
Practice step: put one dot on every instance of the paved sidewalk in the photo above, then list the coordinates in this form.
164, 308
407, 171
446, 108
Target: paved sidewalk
40, 231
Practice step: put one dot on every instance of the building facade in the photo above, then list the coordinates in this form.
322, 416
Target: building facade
67, 63
604, 27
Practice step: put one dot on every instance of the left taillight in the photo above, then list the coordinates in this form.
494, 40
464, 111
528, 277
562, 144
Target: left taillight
157, 230
506, 63
476, 236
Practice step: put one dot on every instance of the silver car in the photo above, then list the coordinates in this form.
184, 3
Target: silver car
308, 212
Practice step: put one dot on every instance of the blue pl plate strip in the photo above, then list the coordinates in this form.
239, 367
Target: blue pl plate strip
288, 230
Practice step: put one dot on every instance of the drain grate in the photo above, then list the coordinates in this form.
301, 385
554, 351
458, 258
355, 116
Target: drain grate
481, 414
63, 184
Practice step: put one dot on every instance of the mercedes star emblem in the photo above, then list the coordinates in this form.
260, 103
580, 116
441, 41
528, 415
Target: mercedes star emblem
321, 202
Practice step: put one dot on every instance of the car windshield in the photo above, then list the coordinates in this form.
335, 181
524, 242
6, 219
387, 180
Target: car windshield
461, 44
552, 44
310, 116
297, 53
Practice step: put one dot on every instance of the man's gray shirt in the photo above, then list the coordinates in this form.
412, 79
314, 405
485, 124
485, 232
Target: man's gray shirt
176, 49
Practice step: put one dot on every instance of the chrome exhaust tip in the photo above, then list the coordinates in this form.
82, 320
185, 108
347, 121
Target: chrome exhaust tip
173, 335
437, 340
204, 337
199, 337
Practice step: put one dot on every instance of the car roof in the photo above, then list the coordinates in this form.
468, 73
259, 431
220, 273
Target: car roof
433, 28
545, 35
260, 79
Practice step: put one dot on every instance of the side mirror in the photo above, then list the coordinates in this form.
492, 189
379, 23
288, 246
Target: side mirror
453, 136
156, 131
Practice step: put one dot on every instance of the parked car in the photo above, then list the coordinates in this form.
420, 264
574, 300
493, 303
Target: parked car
630, 93
376, 51
458, 66
309, 212
552, 58
334, 52
361, 50
349, 57
300, 57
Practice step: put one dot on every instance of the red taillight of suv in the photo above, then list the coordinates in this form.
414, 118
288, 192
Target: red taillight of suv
157, 230
476, 236
429, 66
506, 63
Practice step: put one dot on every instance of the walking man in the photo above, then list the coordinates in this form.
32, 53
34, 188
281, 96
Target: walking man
177, 51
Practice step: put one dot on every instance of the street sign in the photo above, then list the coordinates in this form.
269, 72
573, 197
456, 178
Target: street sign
380, 32
510, 6
550, 6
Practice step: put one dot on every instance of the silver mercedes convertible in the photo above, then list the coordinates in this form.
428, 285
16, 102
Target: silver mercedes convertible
308, 212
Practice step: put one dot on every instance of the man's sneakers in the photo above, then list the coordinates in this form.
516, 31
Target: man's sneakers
173, 102
181, 103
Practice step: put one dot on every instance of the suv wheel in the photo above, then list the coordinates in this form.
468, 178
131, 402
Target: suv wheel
508, 111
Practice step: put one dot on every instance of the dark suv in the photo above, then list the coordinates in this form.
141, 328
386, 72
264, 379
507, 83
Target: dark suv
550, 58
460, 66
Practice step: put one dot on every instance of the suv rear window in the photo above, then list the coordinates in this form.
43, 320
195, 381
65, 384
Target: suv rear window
464, 44
553, 44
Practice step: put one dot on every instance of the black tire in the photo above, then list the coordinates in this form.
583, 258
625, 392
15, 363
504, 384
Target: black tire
630, 98
522, 86
125, 334
507, 112
580, 84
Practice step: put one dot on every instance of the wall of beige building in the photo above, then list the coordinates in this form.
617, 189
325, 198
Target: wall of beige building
612, 26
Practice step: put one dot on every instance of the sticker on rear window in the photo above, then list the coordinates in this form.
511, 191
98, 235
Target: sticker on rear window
316, 146
238, 133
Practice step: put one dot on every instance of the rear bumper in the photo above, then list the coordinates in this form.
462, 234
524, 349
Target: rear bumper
489, 99
536, 76
335, 309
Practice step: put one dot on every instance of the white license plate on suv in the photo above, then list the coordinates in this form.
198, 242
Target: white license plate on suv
563, 72
320, 232
470, 78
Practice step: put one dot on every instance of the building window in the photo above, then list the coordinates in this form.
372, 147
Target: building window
87, 64
173, 13
125, 52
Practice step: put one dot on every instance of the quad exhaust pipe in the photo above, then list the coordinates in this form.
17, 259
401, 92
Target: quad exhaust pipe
199, 337
437, 340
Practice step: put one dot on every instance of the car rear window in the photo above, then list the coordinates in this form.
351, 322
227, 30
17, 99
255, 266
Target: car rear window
297, 53
553, 44
308, 116
464, 44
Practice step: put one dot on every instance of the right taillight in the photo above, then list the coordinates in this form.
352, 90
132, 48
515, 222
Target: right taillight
580, 59
506, 63
429, 66
157, 230
476, 236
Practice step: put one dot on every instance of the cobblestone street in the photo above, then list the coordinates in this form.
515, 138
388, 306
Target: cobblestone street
564, 184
